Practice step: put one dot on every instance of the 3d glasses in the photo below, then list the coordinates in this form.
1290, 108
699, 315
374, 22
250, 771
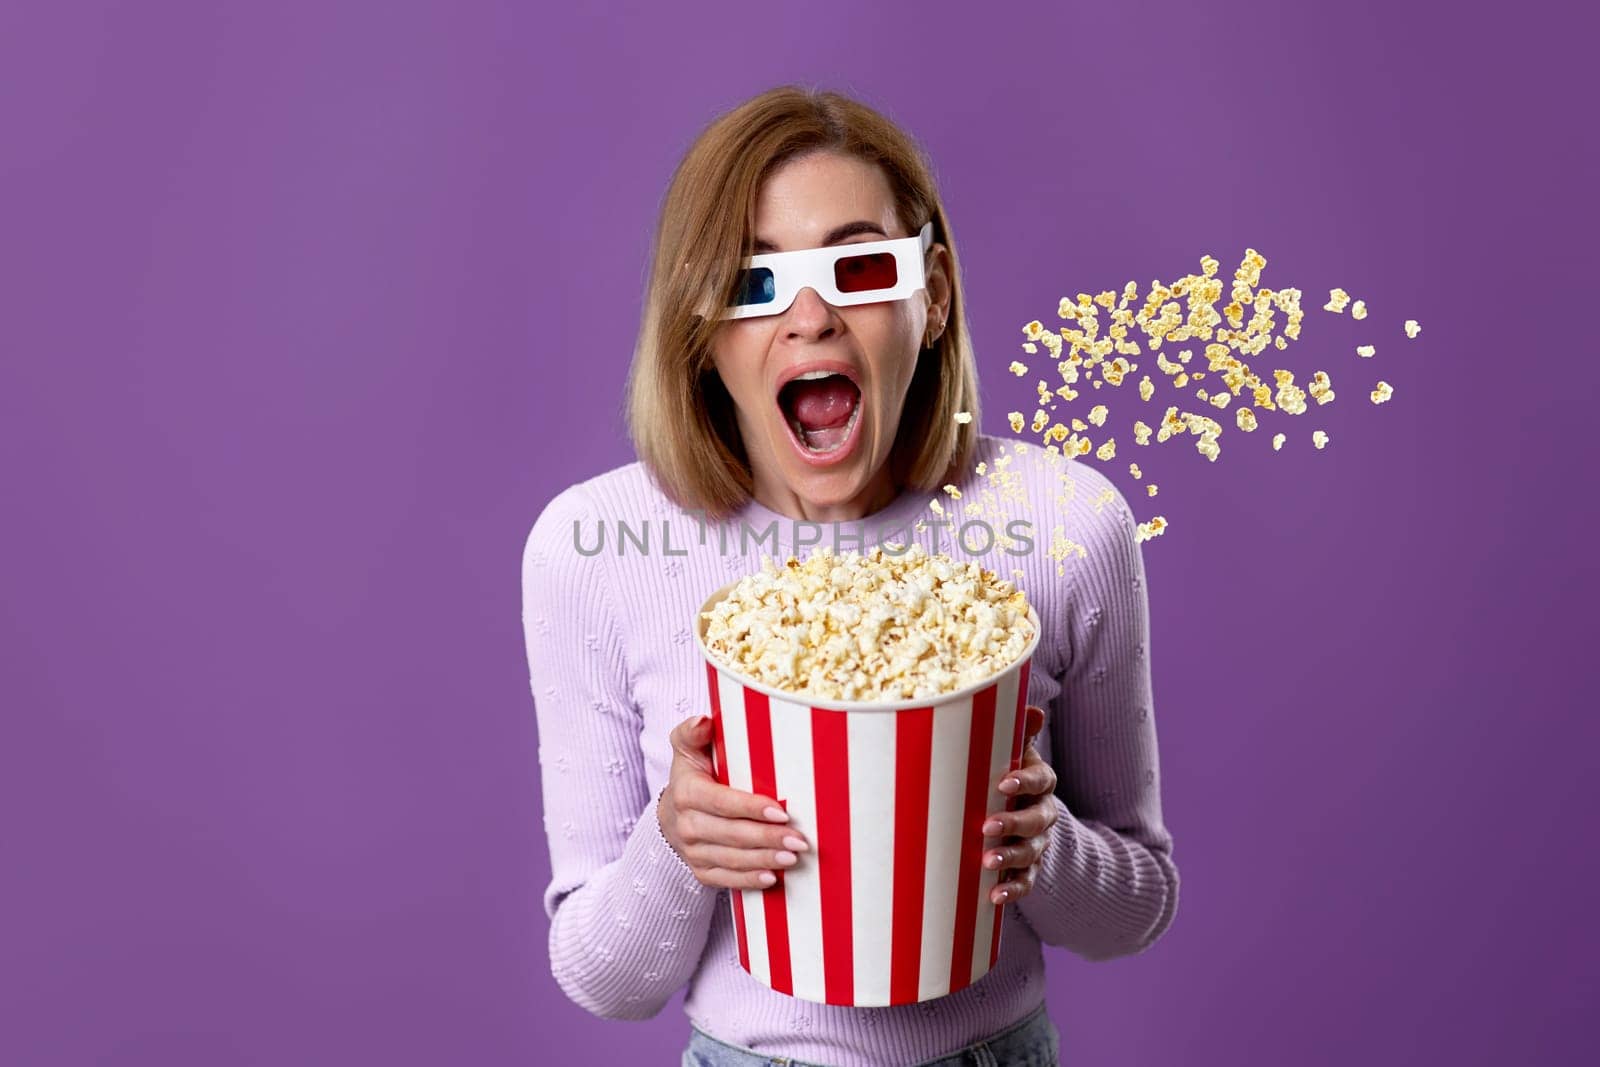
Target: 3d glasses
843, 275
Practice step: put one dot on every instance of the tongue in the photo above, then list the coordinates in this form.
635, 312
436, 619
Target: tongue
823, 404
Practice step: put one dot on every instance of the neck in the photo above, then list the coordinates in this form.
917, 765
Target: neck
876, 495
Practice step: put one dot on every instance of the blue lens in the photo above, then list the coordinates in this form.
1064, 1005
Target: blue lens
755, 286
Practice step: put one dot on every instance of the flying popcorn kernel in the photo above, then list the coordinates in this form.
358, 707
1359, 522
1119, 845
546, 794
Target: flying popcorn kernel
1382, 393
1412, 329
1319, 438
1033, 330
1141, 433
1145, 388
1337, 299
1019, 368
963, 417
1107, 450
1133, 469
1277, 441
1358, 310
1365, 351
1151, 489
1016, 419
953, 491
1153, 528
1097, 415
1245, 419
1321, 387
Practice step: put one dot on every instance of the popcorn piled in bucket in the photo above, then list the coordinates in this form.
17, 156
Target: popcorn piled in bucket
871, 626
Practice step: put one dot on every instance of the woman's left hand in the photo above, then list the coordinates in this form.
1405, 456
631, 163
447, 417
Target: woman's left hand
1026, 829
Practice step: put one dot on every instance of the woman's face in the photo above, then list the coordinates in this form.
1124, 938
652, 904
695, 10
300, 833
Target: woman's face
837, 470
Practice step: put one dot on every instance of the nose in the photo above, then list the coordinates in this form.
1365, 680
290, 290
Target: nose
810, 316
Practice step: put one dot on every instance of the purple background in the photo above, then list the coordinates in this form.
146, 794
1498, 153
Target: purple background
308, 310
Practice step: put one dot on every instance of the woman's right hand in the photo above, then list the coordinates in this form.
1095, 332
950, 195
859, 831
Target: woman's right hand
729, 838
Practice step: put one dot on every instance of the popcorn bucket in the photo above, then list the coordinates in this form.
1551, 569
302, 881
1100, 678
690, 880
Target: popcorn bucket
890, 905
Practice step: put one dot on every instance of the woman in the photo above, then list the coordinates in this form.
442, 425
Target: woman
760, 412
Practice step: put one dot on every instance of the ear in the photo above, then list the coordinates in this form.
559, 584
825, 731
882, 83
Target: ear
939, 288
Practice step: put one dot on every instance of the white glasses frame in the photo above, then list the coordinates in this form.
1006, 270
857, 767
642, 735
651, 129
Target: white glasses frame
814, 268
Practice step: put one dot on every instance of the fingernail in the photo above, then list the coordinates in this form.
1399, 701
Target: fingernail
1005, 895
1009, 785
992, 826
787, 857
766, 878
991, 862
776, 814
795, 843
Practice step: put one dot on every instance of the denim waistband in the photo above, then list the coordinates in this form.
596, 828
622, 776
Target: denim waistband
1032, 1041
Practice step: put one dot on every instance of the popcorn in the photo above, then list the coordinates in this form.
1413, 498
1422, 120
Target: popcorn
955, 493
1133, 469
1019, 368
1153, 528
1321, 387
1231, 320
963, 417
1016, 420
1319, 438
870, 627
1151, 489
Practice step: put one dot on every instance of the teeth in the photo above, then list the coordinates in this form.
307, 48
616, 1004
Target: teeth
814, 375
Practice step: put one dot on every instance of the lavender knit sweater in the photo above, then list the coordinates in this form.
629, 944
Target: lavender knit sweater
614, 667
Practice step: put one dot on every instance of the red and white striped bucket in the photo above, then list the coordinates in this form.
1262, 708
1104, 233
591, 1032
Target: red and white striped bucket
891, 903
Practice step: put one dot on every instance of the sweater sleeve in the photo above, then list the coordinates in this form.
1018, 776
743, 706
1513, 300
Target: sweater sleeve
628, 918
1107, 886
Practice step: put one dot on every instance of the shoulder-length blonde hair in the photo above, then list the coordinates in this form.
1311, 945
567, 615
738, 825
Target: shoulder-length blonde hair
680, 416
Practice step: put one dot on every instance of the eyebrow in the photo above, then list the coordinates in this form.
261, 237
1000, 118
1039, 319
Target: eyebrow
835, 235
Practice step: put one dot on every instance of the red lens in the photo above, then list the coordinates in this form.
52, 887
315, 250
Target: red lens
864, 273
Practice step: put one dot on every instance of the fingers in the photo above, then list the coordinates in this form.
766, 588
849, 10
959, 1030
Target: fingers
744, 860
1019, 856
705, 794
1033, 724
720, 878
699, 827
1034, 778
738, 853
1013, 886
691, 739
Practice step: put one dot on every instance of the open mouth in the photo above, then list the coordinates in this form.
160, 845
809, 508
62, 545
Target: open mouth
821, 409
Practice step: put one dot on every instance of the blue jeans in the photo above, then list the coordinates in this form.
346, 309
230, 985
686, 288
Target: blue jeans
1031, 1042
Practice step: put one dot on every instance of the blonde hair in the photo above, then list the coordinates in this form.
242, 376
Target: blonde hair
680, 416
